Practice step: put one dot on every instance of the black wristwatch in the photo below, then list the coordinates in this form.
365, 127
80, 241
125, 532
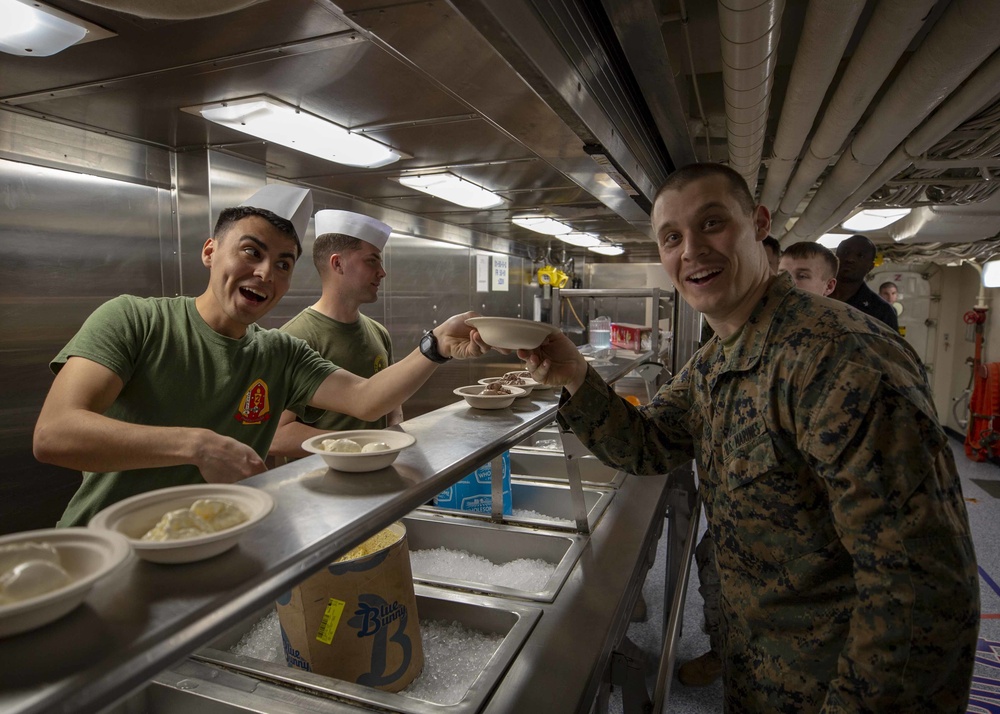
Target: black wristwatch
429, 348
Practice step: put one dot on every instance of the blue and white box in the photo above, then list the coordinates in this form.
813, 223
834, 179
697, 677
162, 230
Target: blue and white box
474, 492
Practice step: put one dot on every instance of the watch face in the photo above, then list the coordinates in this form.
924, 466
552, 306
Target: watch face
429, 348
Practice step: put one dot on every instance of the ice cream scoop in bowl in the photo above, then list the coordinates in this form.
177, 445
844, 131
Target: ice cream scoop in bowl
361, 450
183, 524
490, 396
30, 595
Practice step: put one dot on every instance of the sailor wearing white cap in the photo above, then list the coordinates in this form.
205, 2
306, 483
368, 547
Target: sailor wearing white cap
158, 392
348, 256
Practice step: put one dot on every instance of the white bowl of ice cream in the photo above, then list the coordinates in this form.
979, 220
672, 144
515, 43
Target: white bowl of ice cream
44, 574
513, 379
526, 375
183, 524
361, 450
481, 396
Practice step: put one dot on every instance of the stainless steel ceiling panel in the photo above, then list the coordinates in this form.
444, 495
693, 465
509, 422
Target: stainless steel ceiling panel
452, 51
338, 84
154, 47
507, 177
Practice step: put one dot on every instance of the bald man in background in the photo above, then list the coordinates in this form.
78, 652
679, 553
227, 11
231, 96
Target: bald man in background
857, 258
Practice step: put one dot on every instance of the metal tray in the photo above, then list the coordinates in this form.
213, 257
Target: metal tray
550, 499
542, 465
216, 681
498, 543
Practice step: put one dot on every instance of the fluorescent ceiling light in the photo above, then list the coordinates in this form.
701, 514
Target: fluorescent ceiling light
540, 224
452, 188
832, 240
872, 219
991, 274
606, 249
583, 240
280, 123
33, 29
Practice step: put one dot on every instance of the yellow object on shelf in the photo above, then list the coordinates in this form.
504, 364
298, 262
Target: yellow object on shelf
552, 276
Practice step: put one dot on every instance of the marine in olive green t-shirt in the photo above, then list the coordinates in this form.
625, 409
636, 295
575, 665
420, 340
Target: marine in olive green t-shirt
361, 347
179, 372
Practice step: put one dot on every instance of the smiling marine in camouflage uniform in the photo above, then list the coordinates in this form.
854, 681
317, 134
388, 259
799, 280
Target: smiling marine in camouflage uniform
849, 582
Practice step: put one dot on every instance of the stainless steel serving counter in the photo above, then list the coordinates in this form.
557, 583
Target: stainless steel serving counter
147, 617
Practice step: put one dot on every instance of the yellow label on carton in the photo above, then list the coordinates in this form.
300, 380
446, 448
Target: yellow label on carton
331, 618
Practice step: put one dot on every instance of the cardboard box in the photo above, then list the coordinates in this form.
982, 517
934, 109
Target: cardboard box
475, 491
629, 337
357, 620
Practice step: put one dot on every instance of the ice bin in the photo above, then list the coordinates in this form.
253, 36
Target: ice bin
216, 681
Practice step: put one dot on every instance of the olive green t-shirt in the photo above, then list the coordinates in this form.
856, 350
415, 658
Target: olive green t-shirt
362, 348
180, 372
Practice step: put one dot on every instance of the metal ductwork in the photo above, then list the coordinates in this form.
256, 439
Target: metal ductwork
749, 31
965, 36
826, 31
978, 92
889, 32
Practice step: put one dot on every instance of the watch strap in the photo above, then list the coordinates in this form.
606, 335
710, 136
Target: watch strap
429, 348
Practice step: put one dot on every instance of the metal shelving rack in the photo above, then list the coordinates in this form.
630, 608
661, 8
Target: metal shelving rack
648, 370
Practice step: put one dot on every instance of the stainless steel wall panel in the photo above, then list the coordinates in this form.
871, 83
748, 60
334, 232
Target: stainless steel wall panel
66, 233
45, 143
430, 283
193, 215
70, 247
208, 182
157, 43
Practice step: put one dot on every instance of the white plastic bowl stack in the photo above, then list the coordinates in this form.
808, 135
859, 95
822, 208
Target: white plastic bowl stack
134, 516
361, 462
87, 556
476, 399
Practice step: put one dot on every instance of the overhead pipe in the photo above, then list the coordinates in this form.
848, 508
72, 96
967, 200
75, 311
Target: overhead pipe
962, 39
750, 30
694, 79
892, 26
827, 29
979, 91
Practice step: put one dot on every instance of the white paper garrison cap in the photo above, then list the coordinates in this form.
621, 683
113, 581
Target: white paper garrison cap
290, 202
356, 225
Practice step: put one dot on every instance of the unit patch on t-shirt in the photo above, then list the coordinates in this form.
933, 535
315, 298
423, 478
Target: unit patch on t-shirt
255, 408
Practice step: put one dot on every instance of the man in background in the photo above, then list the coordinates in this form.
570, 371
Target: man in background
348, 257
773, 250
888, 292
812, 266
857, 258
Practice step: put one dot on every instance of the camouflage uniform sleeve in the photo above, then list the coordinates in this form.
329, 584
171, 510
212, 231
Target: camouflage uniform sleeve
867, 427
650, 440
